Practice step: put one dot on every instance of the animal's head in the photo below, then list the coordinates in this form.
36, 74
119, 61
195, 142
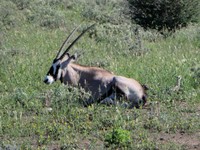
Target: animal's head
61, 61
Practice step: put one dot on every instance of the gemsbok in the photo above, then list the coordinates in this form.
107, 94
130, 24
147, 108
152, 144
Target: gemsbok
103, 85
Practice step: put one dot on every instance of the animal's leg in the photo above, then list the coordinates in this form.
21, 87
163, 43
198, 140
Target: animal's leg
134, 104
110, 100
138, 102
88, 102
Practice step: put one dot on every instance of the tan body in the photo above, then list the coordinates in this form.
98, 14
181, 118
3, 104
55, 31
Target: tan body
104, 86
92, 79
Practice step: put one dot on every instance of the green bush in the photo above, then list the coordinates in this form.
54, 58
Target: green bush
195, 73
164, 14
105, 11
9, 16
45, 16
21, 4
118, 137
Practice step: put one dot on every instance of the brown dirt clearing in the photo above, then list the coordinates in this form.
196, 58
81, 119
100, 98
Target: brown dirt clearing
189, 141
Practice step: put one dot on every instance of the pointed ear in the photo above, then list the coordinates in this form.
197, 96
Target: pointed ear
67, 54
74, 57
71, 59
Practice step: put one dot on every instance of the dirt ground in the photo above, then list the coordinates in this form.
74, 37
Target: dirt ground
188, 141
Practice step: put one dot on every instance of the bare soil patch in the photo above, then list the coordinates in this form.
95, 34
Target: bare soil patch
188, 141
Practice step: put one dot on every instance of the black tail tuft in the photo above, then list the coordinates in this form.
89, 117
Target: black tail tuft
145, 87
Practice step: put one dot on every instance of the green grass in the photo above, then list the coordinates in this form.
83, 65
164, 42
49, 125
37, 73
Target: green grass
27, 49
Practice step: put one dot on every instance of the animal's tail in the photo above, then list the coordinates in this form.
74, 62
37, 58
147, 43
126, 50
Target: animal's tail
145, 87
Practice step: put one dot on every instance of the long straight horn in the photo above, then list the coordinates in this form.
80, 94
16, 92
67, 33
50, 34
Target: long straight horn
68, 48
66, 41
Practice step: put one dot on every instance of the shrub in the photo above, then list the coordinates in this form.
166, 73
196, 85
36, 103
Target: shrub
105, 11
45, 16
164, 14
118, 137
21, 4
9, 16
196, 76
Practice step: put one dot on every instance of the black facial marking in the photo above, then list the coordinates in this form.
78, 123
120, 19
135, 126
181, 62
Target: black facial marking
56, 73
51, 72
108, 93
113, 89
55, 60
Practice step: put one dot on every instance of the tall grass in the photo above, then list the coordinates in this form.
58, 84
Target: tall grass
37, 116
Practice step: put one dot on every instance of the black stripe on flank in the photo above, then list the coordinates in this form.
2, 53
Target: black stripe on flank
119, 93
108, 93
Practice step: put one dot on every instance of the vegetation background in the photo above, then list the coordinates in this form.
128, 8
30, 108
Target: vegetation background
36, 116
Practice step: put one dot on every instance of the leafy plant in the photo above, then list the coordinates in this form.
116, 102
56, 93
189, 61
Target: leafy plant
196, 76
9, 16
45, 16
119, 137
164, 14
105, 11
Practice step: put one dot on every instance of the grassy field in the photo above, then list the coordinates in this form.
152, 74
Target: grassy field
30, 35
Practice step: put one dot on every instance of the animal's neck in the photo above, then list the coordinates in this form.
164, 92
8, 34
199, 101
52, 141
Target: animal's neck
70, 76
79, 69
73, 74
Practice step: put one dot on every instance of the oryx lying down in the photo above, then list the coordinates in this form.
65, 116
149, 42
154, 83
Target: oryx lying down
103, 85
